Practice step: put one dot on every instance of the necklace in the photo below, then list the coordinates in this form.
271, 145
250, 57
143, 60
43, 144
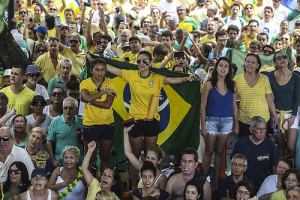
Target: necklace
69, 189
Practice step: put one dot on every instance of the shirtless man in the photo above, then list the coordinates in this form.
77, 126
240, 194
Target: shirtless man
176, 184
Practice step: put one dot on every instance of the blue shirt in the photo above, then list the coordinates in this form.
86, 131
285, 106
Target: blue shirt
290, 4
62, 134
68, 43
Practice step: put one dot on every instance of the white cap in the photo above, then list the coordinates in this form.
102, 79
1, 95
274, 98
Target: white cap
7, 72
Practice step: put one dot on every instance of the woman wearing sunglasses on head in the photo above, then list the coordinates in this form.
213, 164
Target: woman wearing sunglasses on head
145, 87
285, 86
17, 181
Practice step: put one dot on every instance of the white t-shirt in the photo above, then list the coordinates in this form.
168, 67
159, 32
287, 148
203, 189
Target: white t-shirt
269, 28
45, 125
41, 90
169, 7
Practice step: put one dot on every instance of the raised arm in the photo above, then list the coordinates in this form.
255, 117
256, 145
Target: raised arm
88, 177
128, 151
38, 2
114, 70
165, 62
62, 7
89, 40
183, 41
5, 118
103, 25
176, 80
197, 50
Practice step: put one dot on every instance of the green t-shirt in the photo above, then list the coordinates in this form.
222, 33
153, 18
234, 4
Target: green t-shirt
25, 143
241, 47
293, 15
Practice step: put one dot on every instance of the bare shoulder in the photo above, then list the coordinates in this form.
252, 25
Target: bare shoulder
23, 196
54, 195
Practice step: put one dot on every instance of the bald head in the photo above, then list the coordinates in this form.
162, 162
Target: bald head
125, 35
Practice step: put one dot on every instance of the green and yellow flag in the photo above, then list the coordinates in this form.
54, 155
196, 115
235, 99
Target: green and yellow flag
179, 109
238, 57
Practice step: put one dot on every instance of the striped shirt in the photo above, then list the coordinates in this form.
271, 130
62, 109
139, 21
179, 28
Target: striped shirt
253, 100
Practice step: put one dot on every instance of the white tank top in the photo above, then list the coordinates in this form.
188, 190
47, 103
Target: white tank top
29, 198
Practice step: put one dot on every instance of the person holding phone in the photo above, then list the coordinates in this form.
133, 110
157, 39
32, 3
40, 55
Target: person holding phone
98, 119
285, 86
145, 87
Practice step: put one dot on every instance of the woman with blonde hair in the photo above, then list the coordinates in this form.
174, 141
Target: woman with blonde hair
105, 195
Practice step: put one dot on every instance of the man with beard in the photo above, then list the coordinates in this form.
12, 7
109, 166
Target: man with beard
20, 97
10, 153
135, 46
74, 53
268, 25
39, 157
211, 31
176, 184
226, 186
48, 62
63, 131
65, 67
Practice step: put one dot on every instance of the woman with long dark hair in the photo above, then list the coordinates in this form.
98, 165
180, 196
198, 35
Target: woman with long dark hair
217, 120
17, 181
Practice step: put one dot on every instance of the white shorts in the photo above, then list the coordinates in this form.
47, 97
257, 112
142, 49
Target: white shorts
286, 116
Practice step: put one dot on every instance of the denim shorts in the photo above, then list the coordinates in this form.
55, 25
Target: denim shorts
219, 125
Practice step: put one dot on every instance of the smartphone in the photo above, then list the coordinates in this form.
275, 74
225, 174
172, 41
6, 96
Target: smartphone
211, 56
286, 125
129, 122
179, 54
137, 28
58, 21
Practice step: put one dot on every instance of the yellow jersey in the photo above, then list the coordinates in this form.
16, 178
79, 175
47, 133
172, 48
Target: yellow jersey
142, 90
78, 60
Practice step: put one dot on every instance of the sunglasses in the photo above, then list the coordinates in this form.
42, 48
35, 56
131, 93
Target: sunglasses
68, 107
39, 104
296, 36
57, 94
267, 52
23, 12
145, 61
41, 51
74, 41
5, 139
34, 75
285, 38
281, 57
10, 171
78, 18
54, 9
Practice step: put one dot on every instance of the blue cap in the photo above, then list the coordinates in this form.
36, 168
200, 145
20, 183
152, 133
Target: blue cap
32, 69
41, 29
39, 171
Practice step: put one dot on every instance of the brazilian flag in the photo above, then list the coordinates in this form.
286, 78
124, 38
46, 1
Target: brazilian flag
238, 57
179, 109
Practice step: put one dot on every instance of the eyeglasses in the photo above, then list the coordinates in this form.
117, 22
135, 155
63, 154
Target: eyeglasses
261, 129
38, 178
10, 171
74, 41
281, 57
237, 164
5, 139
101, 4
19, 122
145, 61
59, 94
241, 192
68, 107
39, 104
34, 75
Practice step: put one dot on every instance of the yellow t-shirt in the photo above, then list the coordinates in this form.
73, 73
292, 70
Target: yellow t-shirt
78, 60
142, 90
94, 188
21, 101
46, 66
51, 33
253, 100
205, 39
92, 114
248, 40
132, 57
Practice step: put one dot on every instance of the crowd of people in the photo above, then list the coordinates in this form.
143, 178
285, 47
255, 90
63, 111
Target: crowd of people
56, 115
